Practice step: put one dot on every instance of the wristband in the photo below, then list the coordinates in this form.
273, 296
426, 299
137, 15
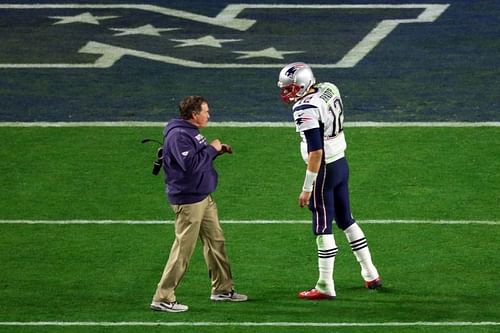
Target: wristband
309, 181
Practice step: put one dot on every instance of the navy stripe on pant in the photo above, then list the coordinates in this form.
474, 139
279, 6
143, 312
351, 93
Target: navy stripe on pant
330, 198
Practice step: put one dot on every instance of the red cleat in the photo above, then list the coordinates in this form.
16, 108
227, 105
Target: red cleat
314, 294
373, 284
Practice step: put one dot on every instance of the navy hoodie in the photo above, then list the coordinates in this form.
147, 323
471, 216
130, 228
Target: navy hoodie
188, 163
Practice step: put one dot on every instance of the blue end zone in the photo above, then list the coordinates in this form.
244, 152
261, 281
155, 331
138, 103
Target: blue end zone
141, 62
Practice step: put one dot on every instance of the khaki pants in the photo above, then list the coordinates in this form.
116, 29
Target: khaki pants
195, 220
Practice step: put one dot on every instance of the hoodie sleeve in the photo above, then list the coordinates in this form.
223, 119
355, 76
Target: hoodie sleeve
188, 154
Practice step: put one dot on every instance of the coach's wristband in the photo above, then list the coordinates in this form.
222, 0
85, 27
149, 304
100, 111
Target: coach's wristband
309, 181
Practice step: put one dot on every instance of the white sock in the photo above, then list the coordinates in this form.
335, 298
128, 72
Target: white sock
327, 250
359, 247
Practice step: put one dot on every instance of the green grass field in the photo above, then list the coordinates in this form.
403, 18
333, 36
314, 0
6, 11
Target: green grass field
88, 273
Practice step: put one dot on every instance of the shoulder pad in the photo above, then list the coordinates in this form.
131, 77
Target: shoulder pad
303, 107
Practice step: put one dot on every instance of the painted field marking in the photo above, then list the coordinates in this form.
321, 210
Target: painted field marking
245, 124
252, 222
110, 54
226, 18
246, 324
243, 324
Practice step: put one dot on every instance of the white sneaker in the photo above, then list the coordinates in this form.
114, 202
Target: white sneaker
169, 307
230, 296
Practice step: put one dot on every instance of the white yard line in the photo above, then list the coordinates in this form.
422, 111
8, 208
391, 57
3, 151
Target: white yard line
242, 324
245, 124
253, 222
247, 324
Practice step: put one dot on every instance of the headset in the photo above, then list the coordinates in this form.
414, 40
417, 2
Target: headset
158, 163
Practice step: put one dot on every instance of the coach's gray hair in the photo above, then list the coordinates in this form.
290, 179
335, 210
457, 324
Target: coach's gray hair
190, 105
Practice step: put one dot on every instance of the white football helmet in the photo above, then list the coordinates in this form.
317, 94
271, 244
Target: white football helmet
294, 81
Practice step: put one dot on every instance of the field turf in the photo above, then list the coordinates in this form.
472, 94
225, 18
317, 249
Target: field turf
433, 273
427, 197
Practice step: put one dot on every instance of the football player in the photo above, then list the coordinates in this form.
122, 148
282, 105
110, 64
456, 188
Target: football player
319, 118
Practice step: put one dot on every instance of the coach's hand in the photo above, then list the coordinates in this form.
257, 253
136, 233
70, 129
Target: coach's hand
216, 144
226, 149
221, 147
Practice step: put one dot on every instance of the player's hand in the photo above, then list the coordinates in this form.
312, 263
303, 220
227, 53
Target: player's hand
304, 198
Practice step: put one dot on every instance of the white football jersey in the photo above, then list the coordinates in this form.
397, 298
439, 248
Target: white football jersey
322, 109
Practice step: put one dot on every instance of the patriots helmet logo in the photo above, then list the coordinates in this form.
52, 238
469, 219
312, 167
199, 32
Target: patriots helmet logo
291, 71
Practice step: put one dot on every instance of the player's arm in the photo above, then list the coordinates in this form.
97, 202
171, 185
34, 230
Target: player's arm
315, 156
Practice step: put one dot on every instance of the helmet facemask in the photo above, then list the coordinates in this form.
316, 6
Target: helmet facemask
289, 93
